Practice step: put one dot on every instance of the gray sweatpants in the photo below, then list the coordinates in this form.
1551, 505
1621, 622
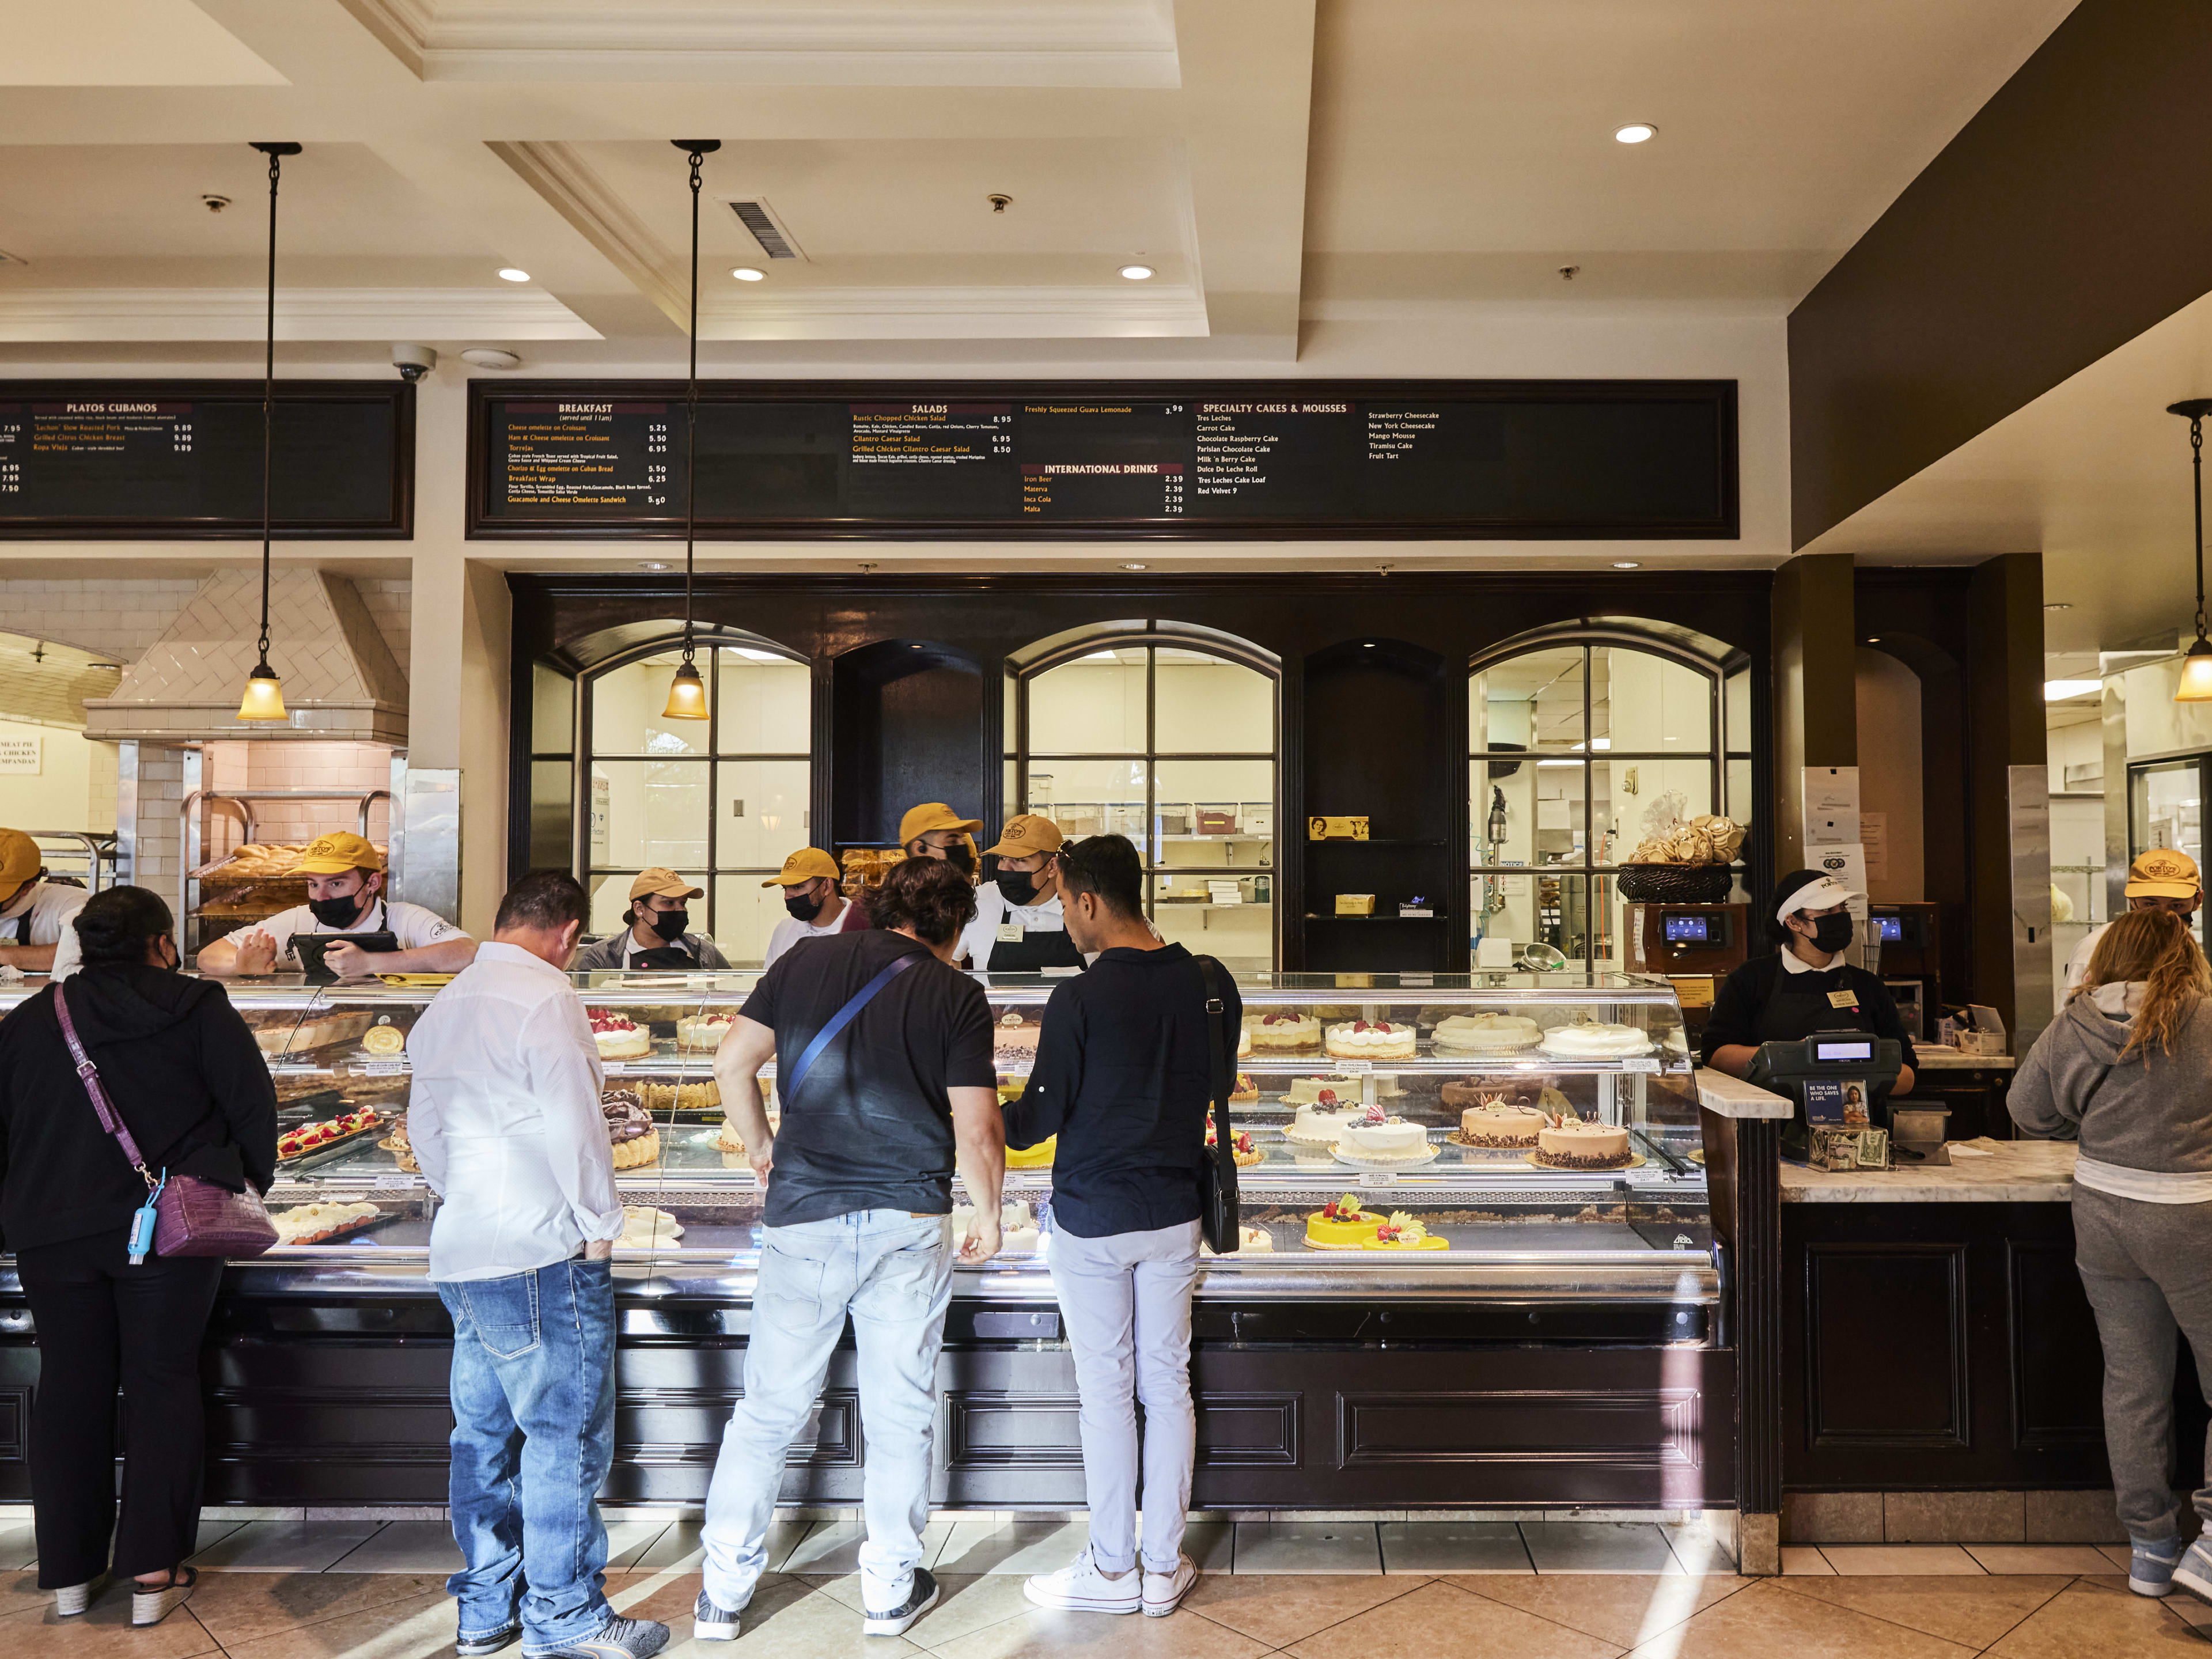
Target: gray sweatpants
2147, 1268
1126, 1301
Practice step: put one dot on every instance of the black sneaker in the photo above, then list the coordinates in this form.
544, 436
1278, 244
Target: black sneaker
712, 1624
493, 1642
900, 1620
618, 1638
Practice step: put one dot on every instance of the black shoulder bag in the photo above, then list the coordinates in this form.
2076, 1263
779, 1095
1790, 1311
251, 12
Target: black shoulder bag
1217, 1178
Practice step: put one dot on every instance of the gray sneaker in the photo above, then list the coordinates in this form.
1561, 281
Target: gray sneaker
2194, 1571
712, 1624
899, 1620
618, 1638
497, 1641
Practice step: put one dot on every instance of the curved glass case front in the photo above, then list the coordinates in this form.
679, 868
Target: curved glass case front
1451, 1077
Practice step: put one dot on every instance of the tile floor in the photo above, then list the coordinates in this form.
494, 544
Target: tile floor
1310, 1590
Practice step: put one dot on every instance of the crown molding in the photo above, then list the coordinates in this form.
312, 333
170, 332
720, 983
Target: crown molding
321, 314
579, 195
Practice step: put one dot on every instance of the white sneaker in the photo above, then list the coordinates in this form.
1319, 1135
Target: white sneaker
1164, 1591
1079, 1587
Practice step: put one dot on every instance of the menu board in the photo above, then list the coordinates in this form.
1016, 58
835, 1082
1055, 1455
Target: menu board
1573, 458
99, 460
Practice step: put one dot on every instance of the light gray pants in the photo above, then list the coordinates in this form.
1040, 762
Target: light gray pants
1126, 1301
2147, 1268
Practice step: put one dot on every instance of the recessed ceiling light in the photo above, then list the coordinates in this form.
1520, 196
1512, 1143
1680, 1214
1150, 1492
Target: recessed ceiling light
1367, 645
1137, 273
1627, 564
1635, 132
1133, 567
512, 274
651, 564
747, 274
2057, 604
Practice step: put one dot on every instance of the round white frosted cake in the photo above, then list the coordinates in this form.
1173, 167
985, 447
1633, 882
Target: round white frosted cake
1391, 1138
1487, 1034
1575, 1145
703, 1031
1321, 1124
620, 1037
1501, 1126
1281, 1029
1364, 1039
1596, 1042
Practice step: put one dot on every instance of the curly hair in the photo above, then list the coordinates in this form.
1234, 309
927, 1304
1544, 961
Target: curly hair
2156, 948
117, 925
927, 897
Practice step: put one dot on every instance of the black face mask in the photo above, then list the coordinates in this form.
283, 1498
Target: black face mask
803, 906
670, 924
341, 912
1019, 885
960, 858
1832, 933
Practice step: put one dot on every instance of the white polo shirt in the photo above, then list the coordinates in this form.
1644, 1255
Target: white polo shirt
792, 931
412, 925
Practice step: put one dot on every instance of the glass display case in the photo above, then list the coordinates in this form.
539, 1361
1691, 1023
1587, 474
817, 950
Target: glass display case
1506, 1113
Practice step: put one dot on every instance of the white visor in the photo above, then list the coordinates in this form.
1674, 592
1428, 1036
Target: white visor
1820, 894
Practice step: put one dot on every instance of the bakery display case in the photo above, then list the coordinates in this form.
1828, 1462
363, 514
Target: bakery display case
1456, 1189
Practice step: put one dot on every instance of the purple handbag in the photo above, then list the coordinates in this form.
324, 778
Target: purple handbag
192, 1217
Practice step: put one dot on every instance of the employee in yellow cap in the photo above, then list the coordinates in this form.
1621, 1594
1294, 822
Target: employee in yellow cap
36, 915
659, 934
346, 895
1018, 927
809, 880
2164, 879
930, 830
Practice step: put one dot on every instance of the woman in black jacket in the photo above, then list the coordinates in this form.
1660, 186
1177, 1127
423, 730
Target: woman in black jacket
182, 1070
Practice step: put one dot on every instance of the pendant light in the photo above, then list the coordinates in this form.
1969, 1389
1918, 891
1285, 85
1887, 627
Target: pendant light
687, 692
2196, 667
265, 693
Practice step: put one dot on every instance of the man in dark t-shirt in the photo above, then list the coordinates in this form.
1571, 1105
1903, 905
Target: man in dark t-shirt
858, 1221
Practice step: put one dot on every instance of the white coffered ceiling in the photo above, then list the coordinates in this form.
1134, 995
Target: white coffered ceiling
1270, 158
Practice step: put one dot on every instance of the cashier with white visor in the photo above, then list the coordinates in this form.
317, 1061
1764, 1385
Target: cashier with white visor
1805, 987
1018, 927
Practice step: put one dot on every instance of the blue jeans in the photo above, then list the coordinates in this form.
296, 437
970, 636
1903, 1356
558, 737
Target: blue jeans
893, 1273
533, 1390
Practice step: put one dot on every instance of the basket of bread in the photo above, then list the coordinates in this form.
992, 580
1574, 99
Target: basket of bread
1681, 860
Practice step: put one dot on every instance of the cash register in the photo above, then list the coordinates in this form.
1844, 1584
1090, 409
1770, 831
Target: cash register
1840, 1080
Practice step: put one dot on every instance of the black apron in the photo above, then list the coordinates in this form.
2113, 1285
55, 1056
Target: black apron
1794, 1010
1034, 953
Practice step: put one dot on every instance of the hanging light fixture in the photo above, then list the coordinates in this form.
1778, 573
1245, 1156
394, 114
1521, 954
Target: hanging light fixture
265, 693
2196, 667
687, 692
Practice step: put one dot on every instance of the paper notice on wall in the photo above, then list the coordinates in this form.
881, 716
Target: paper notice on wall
1831, 800
1874, 836
21, 757
602, 810
1847, 864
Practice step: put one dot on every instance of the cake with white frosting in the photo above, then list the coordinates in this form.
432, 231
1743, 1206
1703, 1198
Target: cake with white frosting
1280, 1028
1373, 1136
1487, 1034
1595, 1041
1371, 1039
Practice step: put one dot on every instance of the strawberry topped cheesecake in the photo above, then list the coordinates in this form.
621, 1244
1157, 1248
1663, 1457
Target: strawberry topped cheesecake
1371, 1039
1282, 1028
620, 1037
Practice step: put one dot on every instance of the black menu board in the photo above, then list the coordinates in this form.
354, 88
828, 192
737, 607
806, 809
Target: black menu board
1496, 460
102, 460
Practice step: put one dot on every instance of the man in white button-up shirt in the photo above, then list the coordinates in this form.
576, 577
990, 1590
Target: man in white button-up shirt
505, 1118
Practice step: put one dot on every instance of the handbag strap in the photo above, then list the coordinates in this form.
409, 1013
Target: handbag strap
843, 1018
88, 1074
1217, 1044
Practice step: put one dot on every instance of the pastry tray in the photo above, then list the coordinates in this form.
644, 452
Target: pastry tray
312, 1157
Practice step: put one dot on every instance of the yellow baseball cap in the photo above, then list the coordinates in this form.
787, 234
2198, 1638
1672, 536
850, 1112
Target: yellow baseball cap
20, 859
2163, 872
664, 883
335, 853
1025, 836
807, 864
931, 815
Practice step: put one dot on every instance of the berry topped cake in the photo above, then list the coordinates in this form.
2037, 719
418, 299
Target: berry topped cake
1402, 1232
1282, 1028
619, 1036
705, 1031
1342, 1225
1240, 1147
1246, 1091
1371, 1039
1320, 1122
1375, 1136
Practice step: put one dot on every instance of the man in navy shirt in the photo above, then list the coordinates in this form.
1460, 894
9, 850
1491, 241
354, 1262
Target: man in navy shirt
1124, 1075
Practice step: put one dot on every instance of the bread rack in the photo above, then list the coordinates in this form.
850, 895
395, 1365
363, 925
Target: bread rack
195, 815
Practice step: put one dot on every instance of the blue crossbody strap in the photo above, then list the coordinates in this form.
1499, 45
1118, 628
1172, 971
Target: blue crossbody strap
840, 1020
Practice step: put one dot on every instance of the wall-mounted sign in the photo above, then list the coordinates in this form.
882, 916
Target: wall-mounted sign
1458, 459
21, 757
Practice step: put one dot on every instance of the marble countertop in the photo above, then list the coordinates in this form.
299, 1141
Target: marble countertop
2011, 1172
1731, 1097
1933, 1057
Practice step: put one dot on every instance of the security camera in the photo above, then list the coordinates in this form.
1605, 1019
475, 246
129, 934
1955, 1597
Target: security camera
413, 362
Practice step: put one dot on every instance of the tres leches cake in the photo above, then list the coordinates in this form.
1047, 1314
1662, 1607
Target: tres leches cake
1498, 1124
1573, 1143
1371, 1039
1341, 1225
1376, 1138
1281, 1030
1402, 1232
620, 1037
1487, 1034
703, 1031
630, 1128
1596, 1041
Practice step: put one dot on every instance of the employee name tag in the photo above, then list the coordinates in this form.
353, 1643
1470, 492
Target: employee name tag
1843, 1000
1010, 933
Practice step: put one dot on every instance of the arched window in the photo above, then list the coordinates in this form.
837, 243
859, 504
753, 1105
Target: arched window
1167, 737
1581, 745
720, 800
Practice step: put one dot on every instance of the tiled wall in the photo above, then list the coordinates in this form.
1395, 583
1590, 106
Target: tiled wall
348, 767
126, 614
391, 600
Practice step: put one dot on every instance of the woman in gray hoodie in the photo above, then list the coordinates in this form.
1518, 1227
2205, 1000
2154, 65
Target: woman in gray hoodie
2127, 1067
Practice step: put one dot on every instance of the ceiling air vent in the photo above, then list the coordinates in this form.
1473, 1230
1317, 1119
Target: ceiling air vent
756, 216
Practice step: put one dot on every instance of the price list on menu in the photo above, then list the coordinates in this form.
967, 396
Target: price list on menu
1439, 458
93, 460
